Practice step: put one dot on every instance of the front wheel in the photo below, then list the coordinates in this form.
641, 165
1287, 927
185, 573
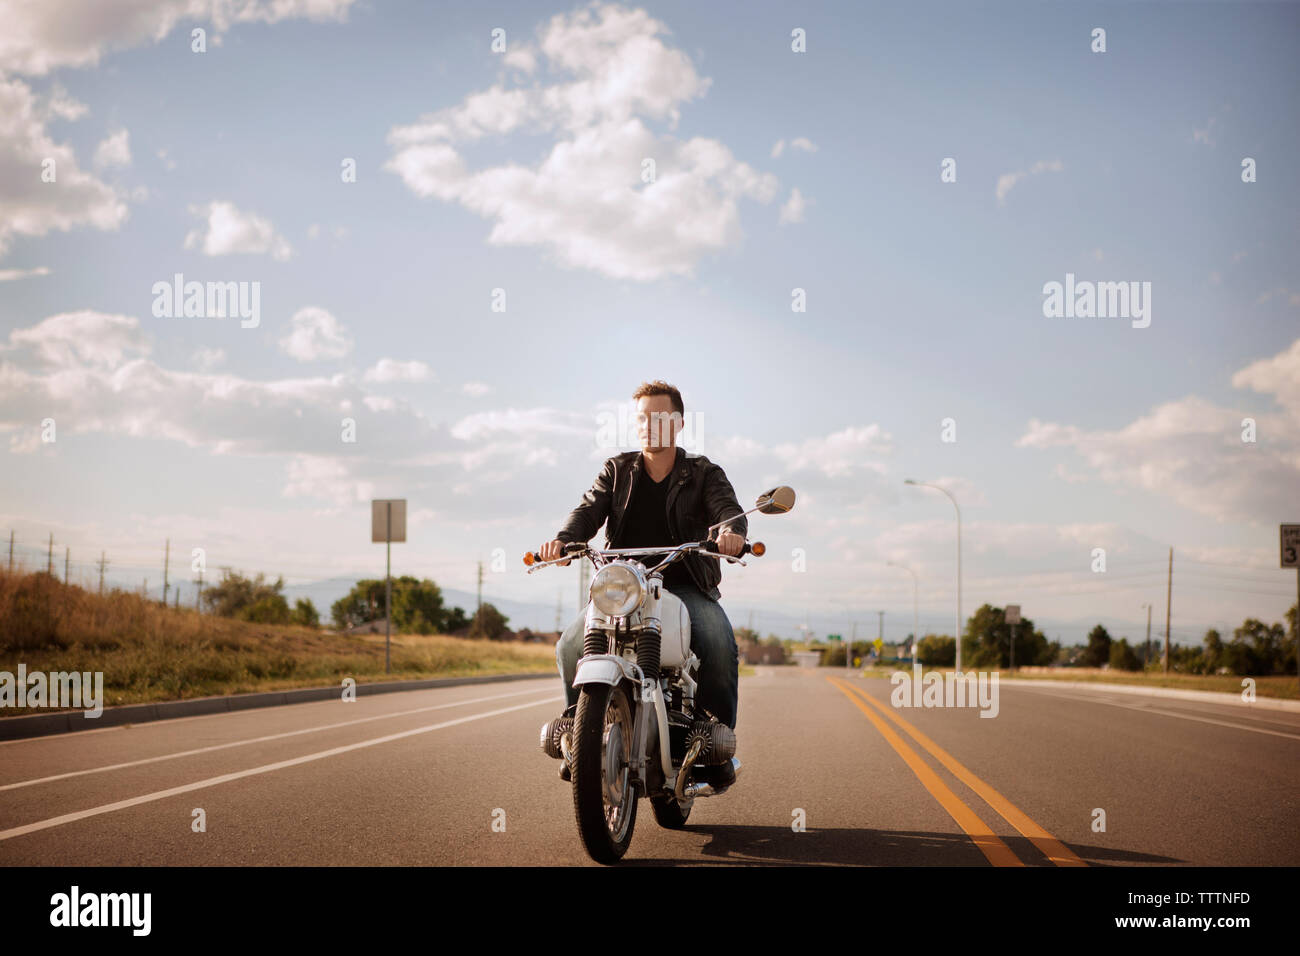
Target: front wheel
604, 801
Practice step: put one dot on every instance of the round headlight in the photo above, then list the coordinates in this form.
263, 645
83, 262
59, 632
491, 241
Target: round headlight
616, 590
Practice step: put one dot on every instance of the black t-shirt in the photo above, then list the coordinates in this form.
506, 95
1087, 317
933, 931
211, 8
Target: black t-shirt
645, 525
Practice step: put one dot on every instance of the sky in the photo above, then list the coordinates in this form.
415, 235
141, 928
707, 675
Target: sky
473, 229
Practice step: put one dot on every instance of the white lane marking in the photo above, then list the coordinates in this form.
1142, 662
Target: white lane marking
1253, 714
253, 771
168, 721
258, 740
1173, 713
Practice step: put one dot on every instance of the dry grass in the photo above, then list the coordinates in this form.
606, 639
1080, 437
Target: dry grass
148, 652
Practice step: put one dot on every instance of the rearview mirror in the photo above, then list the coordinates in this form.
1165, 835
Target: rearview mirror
777, 501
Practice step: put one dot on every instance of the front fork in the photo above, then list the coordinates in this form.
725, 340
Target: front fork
648, 697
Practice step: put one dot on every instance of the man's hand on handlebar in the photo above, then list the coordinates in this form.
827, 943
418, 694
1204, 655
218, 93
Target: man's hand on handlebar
731, 544
554, 549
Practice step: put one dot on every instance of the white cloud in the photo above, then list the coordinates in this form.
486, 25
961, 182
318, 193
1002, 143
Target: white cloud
1007, 181
229, 231
115, 150
8, 275
803, 143
475, 389
74, 339
778, 148
30, 206
521, 58
208, 359
794, 208
1191, 451
315, 334
168, 163
42, 36
92, 373
391, 370
585, 200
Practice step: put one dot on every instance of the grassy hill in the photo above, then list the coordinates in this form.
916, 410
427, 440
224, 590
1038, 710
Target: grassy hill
148, 652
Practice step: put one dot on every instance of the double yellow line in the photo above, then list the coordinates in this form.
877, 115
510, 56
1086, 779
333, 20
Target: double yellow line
997, 852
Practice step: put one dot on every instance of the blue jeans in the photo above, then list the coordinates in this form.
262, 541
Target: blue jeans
712, 640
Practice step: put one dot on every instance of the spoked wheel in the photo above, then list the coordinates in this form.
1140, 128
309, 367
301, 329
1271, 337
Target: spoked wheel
604, 801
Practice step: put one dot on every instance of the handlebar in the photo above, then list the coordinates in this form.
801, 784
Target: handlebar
756, 548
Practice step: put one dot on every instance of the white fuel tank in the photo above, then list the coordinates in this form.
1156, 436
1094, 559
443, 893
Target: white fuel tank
676, 622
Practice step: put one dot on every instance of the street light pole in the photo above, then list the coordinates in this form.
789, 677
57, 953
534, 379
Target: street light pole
925, 484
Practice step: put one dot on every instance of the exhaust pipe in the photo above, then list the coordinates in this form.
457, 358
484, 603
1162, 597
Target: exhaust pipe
706, 789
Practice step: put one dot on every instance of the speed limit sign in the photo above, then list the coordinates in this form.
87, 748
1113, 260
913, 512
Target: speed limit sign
1291, 545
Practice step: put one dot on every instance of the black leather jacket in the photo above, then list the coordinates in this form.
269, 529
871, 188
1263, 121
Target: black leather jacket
700, 496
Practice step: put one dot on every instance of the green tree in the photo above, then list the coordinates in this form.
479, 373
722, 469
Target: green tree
488, 622
1097, 652
268, 609
236, 593
987, 643
456, 620
1263, 647
1123, 657
937, 650
417, 606
1213, 642
305, 613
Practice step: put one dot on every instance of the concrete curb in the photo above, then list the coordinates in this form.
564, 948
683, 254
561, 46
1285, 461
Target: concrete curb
68, 721
1211, 696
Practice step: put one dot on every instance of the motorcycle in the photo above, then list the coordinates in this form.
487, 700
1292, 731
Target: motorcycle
635, 731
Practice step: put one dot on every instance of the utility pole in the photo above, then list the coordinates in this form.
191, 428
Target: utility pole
11, 552
167, 560
848, 658
103, 562
50, 561
880, 630
67, 553
144, 589
198, 595
1147, 656
480, 587
1169, 606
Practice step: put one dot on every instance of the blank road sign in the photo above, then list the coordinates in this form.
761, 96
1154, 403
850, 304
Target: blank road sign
379, 519
1013, 614
1291, 545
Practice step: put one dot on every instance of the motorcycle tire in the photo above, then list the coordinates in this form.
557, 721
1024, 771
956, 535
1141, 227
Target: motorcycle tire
669, 813
602, 735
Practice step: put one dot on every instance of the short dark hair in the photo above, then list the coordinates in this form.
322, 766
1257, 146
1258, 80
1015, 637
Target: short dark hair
660, 387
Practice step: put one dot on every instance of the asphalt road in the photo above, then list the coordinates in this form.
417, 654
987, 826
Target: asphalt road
454, 776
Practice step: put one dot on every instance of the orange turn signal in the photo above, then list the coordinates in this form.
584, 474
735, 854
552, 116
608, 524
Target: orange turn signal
529, 558
757, 548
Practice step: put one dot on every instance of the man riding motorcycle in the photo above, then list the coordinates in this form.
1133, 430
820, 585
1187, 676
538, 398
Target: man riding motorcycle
663, 496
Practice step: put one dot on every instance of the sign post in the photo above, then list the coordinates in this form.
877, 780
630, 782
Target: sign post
388, 524
1290, 541
1013, 618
